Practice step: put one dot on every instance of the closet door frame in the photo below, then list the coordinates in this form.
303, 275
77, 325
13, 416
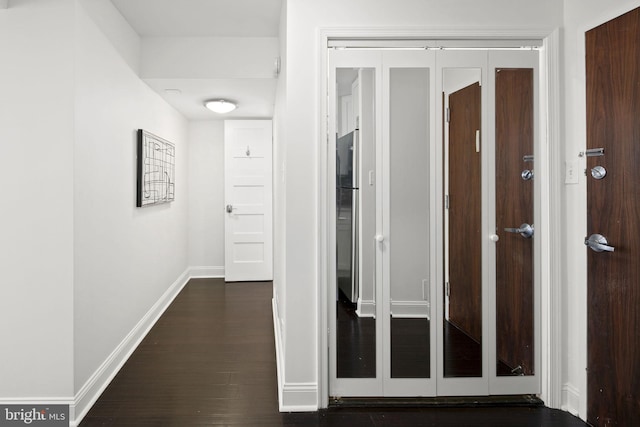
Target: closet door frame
550, 155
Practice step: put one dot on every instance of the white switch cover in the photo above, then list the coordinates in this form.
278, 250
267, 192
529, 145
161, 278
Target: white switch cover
571, 168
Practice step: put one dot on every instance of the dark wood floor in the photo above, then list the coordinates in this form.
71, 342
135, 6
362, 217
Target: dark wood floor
210, 361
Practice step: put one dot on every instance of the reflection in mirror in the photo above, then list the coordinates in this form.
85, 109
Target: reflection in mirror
462, 331
409, 222
355, 224
514, 206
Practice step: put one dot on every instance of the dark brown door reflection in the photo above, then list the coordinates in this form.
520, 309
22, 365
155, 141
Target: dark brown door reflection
613, 210
514, 207
465, 272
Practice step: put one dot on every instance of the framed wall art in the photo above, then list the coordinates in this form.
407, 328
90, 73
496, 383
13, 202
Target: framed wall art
156, 170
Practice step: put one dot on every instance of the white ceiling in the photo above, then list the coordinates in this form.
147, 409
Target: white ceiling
254, 97
208, 18
202, 18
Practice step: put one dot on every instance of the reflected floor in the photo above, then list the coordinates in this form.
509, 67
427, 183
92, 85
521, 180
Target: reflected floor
356, 342
410, 348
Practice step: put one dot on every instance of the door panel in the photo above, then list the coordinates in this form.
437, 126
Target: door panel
613, 210
355, 339
248, 190
514, 207
406, 177
409, 135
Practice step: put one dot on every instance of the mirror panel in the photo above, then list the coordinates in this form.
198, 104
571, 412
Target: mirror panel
355, 224
462, 311
409, 222
514, 207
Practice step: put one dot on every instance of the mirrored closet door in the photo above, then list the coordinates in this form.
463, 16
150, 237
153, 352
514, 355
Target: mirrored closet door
432, 234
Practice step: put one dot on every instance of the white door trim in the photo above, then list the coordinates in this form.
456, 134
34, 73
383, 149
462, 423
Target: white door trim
551, 270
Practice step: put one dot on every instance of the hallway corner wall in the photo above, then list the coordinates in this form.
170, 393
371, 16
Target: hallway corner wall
280, 201
36, 170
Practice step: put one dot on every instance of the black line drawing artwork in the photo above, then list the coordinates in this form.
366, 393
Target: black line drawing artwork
156, 170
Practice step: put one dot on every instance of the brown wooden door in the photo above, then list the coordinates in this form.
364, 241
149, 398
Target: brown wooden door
514, 207
465, 272
613, 210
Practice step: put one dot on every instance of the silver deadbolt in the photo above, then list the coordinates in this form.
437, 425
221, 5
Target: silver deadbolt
229, 208
525, 230
598, 243
598, 172
526, 174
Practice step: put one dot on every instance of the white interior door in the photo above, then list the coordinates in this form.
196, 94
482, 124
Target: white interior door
248, 200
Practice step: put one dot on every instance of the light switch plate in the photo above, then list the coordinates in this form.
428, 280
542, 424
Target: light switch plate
571, 168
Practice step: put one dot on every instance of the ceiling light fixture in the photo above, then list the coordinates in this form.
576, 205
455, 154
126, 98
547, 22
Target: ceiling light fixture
220, 106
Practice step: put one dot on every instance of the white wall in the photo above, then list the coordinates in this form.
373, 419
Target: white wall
208, 57
206, 197
123, 38
580, 16
279, 184
409, 102
125, 258
36, 171
303, 148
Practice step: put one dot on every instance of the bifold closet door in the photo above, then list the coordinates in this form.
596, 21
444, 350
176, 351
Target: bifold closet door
408, 164
355, 312
432, 223
515, 294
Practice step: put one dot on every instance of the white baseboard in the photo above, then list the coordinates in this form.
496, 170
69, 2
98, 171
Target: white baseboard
292, 397
95, 385
206, 272
410, 309
571, 399
299, 397
278, 342
366, 308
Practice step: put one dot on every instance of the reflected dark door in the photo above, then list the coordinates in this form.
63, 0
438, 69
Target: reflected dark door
514, 207
613, 210
465, 272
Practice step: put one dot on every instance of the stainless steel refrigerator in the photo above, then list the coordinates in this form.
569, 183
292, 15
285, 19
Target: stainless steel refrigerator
347, 152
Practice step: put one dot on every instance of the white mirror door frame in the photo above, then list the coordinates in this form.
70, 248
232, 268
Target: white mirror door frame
549, 173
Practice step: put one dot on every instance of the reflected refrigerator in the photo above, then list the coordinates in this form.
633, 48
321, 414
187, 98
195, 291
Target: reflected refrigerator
347, 215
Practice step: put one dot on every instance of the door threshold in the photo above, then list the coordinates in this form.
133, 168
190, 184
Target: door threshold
527, 400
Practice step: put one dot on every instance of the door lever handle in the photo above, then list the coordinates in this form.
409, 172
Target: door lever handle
598, 243
525, 230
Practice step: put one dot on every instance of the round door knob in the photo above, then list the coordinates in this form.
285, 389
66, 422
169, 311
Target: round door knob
379, 238
494, 237
598, 172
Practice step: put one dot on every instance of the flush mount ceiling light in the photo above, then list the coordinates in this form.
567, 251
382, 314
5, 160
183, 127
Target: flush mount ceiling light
220, 106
